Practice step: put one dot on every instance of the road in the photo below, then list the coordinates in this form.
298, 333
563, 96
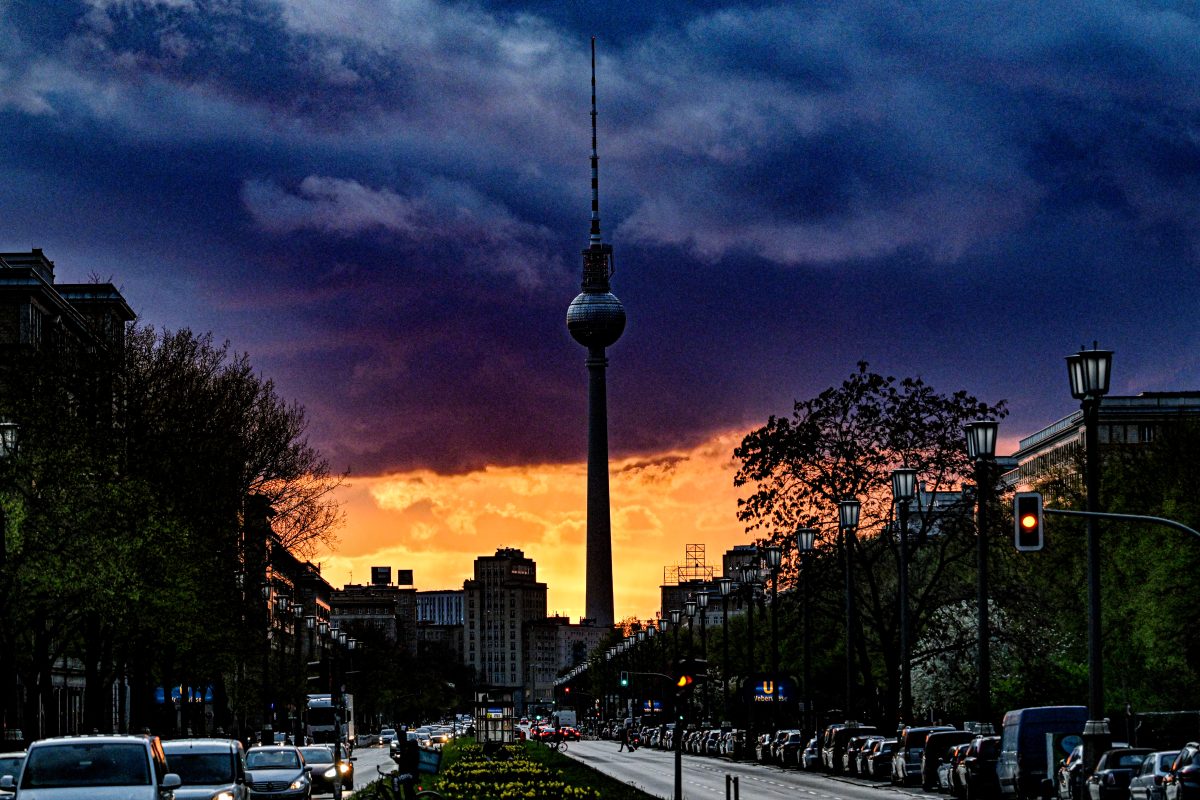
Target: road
366, 759
653, 771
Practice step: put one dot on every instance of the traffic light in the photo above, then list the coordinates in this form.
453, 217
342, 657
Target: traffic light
687, 672
624, 679
1027, 513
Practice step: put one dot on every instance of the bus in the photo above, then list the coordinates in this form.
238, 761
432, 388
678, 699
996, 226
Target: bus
321, 719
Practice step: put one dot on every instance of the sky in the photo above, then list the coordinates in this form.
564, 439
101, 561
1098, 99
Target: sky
383, 202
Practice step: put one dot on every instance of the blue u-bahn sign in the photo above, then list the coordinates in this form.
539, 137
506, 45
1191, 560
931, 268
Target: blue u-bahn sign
766, 688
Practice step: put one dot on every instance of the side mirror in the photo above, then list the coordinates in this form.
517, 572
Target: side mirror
354, 758
308, 767
171, 781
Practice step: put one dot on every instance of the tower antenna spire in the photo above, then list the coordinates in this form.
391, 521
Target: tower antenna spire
595, 233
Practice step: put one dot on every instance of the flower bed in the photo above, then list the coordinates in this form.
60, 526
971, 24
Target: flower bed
512, 775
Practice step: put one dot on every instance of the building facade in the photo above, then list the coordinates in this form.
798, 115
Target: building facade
388, 608
502, 598
1124, 421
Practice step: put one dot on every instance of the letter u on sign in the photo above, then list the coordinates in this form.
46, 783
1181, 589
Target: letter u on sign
768, 687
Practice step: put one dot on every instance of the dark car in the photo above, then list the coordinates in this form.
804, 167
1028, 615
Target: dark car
1182, 781
910, 746
277, 773
835, 747
853, 748
208, 768
320, 759
1147, 784
879, 762
790, 750
975, 775
1114, 771
937, 748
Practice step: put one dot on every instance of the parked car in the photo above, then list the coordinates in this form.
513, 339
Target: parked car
1068, 777
762, 748
790, 750
938, 747
208, 768
10, 764
853, 747
835, 747
277, 773
96, 767
1182, 781
1021, 767
810, 757
1114, 771
865, 753
910, 746
947, 765
975, 774
1147, 784
320, 759
777, 743
826, 741
879, 762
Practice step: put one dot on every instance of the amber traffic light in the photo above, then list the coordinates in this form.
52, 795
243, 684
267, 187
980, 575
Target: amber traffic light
1027, 514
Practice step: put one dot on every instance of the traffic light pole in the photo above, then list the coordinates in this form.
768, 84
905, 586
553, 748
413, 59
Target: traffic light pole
1170, 523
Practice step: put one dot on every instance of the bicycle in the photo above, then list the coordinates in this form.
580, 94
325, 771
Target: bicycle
393, 785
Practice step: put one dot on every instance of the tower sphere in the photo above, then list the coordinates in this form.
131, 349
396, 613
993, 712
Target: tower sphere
596, 319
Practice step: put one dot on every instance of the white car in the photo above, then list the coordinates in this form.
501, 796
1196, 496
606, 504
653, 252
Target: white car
387, 735
95, 768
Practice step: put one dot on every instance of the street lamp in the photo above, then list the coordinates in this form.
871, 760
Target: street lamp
675, 615
725, 587
805, 540
981, 449
1090, 371
774, 558
848, 512
689, 607
904, 488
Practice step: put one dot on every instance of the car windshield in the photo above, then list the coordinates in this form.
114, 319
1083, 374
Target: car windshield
66, 765
317, 755
273, 759
1130, 760
202, 769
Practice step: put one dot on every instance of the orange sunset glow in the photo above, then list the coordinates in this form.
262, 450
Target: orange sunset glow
437, 524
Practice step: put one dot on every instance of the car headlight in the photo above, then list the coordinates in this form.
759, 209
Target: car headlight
223, 796
329, 773
300, 782
344, 767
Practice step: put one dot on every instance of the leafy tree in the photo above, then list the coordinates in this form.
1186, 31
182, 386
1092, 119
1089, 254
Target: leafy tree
842, 444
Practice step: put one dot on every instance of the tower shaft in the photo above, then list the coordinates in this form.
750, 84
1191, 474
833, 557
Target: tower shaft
598, 592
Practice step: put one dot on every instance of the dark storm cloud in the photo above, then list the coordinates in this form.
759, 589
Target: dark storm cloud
384, 201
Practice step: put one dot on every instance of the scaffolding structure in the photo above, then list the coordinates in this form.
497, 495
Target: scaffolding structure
691, 570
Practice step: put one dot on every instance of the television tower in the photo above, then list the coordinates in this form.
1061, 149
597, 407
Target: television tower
596, 320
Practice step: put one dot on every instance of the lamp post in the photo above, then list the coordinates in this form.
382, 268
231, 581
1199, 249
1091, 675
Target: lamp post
904, 485
981, 449
848, 511
1089, 371
702, 599
9, 433
725, 587
689, 608
774, 557
749, 574
805, 539
675, 615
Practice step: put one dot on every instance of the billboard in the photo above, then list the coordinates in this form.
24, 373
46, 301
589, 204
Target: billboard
404, 577
381, 576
